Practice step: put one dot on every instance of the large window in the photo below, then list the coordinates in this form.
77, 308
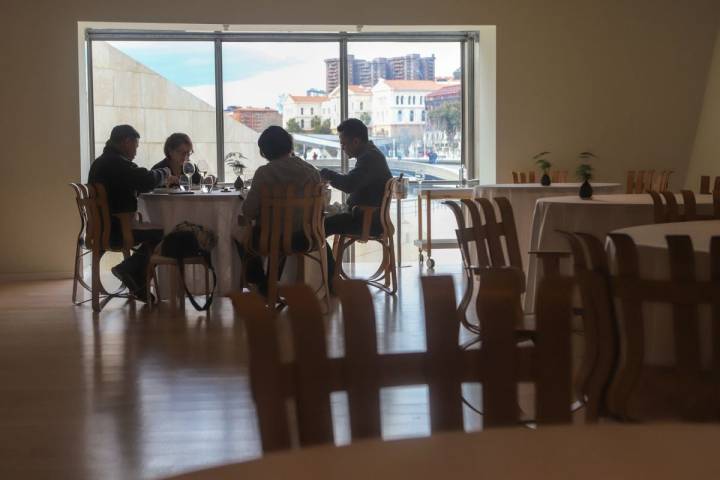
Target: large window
222, 89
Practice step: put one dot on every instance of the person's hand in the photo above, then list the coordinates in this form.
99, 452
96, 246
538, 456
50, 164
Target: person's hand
326, 173
171, 180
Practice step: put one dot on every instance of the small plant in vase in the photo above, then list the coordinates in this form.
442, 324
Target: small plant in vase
584, 173
234, 161
544, 165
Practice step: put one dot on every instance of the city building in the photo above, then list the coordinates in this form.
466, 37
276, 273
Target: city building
367, 73
302, 108
398, 107
359, 105
257, 118
442, 96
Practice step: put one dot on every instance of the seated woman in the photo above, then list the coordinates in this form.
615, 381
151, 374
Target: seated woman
283, 168
178, 148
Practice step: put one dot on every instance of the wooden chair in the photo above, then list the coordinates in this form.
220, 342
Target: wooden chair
81, 246
177, 275
97, 239
685, 390
522, 177
499, 364
666, 208
559, 176
385, 278
279, 209
600, 344
495, 244
644, 181
705, 184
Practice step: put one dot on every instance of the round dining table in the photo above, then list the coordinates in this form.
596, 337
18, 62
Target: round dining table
524, 196
217, 211
654, 264
598, 216
671, 451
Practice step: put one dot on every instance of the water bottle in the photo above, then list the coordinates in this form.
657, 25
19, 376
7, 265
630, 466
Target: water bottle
461, 174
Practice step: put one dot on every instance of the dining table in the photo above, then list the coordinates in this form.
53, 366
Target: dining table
601, 452
654, 264
597, 216
217, 211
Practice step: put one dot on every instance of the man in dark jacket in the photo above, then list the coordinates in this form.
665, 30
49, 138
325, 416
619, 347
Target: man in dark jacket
123, 180
365, 182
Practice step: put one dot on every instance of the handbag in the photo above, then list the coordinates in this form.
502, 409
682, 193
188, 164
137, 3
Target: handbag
191, 240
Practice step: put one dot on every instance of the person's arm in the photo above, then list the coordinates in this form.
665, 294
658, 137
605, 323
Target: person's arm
350, 182
144, 180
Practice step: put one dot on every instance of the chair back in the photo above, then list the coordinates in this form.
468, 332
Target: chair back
465, 235
705, 184
666, 208
496, 241
285, 212
499, 365
81, 200
559, 176
522, 177
685, 390
388, 229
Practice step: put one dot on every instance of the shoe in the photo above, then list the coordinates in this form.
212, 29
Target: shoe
126, 278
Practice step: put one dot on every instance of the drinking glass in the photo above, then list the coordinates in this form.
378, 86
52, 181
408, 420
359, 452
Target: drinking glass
188, 171
207, 184
184, 183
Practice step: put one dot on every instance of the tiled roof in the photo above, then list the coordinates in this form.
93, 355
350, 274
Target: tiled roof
308, 99
413, 84
360, 89
255, 109
454, 89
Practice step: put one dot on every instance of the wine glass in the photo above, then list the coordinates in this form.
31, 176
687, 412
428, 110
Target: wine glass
188, 170
202, 167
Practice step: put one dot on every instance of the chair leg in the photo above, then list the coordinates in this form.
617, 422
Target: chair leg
392, 270
96, 285
324, 277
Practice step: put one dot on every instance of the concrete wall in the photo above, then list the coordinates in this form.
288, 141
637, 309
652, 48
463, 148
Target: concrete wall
125, 91
623, 78
705, 158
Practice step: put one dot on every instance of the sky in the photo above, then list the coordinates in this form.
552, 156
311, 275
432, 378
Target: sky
257, 74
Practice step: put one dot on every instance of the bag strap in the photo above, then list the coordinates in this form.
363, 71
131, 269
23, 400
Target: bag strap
209, 266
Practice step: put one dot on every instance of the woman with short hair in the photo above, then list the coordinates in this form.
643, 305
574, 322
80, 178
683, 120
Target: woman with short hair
178, 148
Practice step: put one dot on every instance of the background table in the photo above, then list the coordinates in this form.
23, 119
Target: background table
597, 216
217, 211
598, 452
654, 264
523, 196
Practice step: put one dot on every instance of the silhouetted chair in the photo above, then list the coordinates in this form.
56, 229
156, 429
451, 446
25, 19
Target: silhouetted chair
499, 364
522, 177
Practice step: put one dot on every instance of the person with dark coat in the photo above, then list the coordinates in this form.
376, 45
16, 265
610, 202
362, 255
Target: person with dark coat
365, 183
123, 181
178, 148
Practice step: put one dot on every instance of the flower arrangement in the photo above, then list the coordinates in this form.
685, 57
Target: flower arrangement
234, 161
584, 171
544, 164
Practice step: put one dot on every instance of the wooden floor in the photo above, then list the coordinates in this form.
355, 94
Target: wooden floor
132, 393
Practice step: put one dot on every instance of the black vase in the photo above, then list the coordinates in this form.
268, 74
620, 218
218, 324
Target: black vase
238, 183
586, 190
545, 180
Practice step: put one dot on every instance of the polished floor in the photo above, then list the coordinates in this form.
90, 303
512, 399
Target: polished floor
137, 393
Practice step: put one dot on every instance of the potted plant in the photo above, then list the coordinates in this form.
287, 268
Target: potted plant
584, 173
234, 161
544, 165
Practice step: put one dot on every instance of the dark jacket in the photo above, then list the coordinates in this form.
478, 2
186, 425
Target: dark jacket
165, 163
122, 179
366, 182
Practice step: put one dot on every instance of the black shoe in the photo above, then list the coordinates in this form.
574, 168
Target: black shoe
126, 278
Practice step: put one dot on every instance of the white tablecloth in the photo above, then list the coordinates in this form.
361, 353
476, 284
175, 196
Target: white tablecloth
523, 197
654, 264
598, 216
217, 211
591, 453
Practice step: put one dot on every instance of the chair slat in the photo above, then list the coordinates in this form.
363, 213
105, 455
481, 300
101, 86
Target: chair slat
705, 184
682, 270
361, 359
512, 243
497, 296
497, 257
444, 361
265, 371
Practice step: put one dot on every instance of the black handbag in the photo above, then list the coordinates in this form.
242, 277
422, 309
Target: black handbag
189, 240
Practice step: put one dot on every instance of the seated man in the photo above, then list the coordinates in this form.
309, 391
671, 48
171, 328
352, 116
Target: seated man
283, 168
365, 183
123, 180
